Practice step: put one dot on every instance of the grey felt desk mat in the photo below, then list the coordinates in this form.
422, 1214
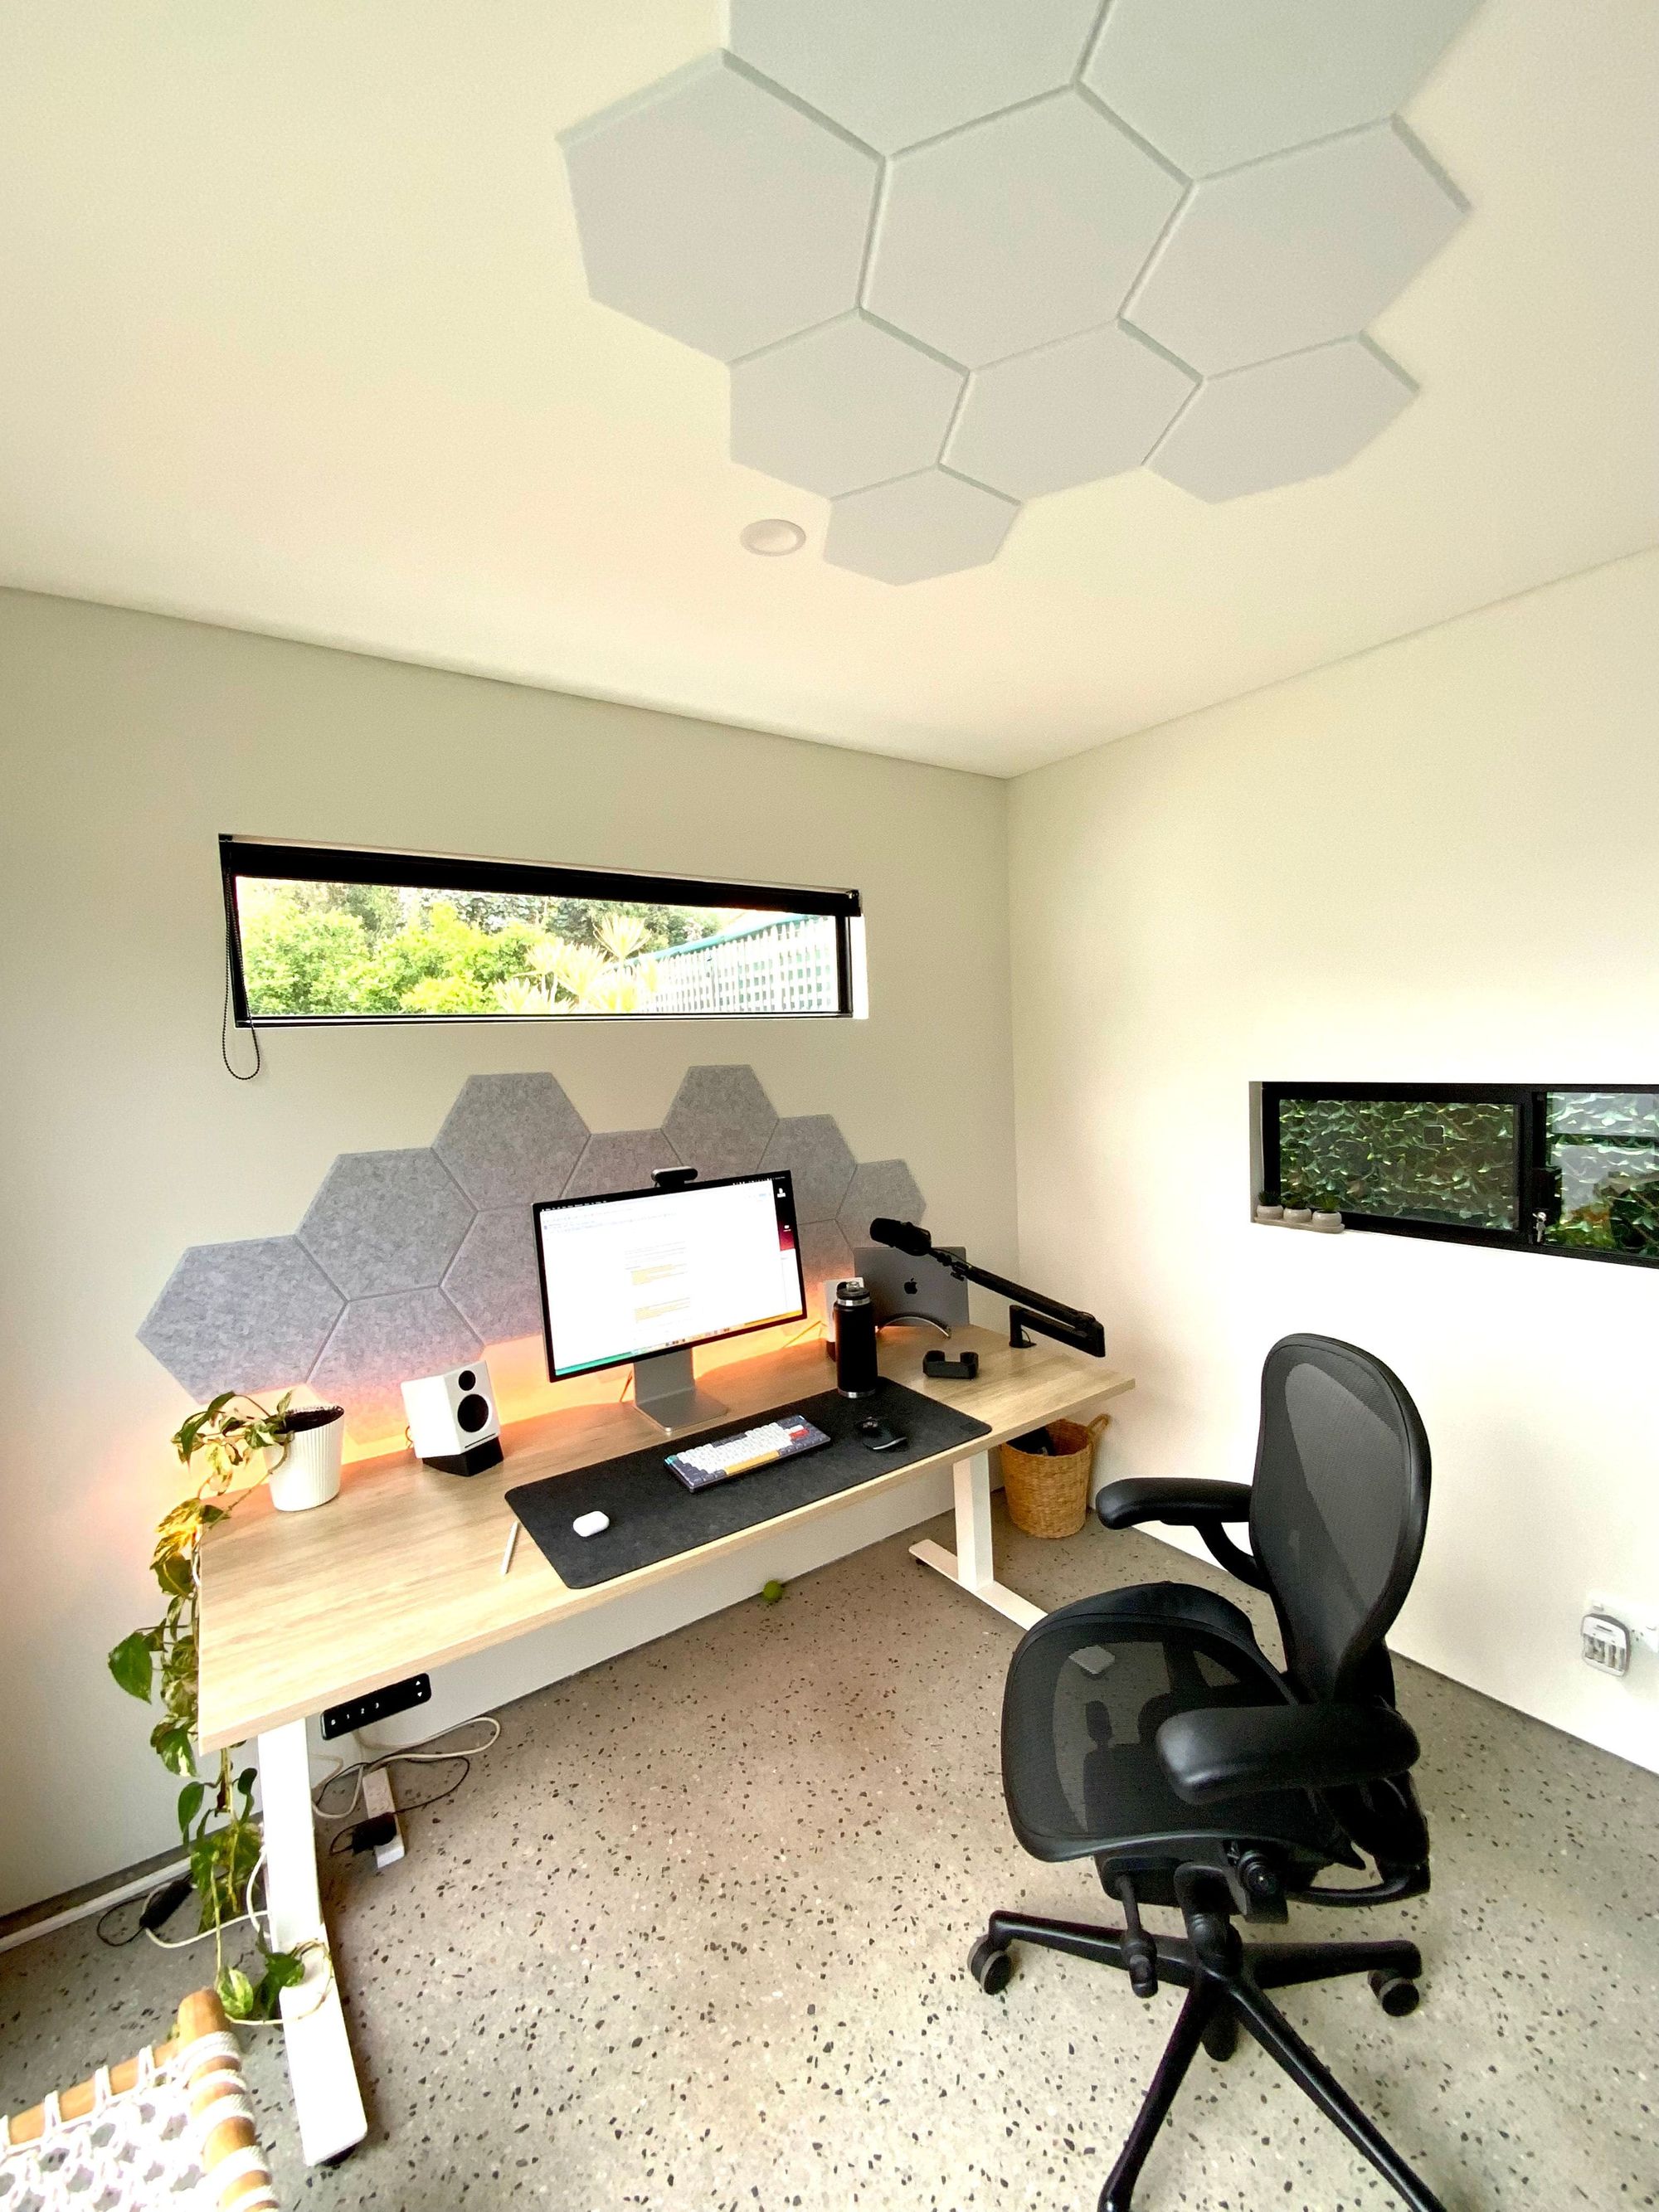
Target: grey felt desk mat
653, 1516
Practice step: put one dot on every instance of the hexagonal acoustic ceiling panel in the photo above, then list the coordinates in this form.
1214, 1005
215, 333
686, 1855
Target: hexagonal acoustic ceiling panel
964, 253
409, 1262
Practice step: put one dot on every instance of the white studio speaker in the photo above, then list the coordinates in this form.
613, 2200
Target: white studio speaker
452, 1421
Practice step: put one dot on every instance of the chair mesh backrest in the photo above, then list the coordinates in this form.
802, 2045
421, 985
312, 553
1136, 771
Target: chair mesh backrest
1079, 1752
1339, 1505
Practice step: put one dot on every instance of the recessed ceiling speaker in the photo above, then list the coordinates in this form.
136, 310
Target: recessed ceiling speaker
452, 1422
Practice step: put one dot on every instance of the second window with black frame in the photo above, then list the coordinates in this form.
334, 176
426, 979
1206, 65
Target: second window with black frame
1566, 1167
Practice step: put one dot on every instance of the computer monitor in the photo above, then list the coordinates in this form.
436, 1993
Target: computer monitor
645, 1275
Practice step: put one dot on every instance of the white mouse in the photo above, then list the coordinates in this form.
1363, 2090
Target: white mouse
590, 1525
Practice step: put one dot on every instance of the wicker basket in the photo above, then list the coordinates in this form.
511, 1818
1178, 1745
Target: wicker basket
1048, 1492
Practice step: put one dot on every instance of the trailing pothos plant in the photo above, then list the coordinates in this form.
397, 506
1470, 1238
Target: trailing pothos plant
227, 1442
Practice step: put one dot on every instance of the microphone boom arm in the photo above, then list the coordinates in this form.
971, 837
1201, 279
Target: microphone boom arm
1029, 1309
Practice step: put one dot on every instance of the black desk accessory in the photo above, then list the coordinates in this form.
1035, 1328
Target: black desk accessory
939, 1367
1068, 1325
852, 1324
876, 1436
652, 1517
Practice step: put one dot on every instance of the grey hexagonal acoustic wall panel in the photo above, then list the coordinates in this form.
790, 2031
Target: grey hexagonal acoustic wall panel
410, 1261
964, 253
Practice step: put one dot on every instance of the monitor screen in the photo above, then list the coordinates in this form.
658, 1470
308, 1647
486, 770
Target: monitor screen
651, 1271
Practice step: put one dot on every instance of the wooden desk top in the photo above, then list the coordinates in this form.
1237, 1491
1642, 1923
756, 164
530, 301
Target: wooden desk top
402, 1571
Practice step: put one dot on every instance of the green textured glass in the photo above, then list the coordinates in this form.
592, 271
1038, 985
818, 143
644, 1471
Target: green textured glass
1604, 1146
1401, 1158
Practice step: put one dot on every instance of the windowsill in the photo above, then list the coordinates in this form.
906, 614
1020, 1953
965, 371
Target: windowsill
1317, 1228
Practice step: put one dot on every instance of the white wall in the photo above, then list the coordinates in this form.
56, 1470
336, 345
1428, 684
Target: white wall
1437, 862
129, 742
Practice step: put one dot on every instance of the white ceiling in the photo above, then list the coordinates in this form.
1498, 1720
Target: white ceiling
294, 335
922, 339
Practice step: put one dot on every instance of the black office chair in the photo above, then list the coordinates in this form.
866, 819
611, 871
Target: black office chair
1147, 1728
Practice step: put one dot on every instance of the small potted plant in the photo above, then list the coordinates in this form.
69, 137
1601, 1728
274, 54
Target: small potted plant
1297, 1211
237, 1441
303, 1466
1327, 1211
1269, 1207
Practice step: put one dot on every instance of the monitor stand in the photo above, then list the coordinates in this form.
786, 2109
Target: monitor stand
666, 1391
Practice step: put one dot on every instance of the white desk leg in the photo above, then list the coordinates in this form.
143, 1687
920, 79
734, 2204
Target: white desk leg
326, 2097
969, 1566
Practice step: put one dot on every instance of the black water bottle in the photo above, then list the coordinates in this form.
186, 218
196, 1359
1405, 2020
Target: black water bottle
855, 1340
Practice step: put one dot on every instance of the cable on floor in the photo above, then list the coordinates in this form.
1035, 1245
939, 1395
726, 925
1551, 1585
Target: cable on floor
140, 1907
344, 1838
415, 1754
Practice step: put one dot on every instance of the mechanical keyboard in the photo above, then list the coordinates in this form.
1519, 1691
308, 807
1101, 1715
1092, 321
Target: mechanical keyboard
701, 1466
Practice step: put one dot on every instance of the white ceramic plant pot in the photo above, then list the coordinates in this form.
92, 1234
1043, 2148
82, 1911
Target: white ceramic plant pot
308, 1472
1265, 1213
1301, 1215
1328, 1222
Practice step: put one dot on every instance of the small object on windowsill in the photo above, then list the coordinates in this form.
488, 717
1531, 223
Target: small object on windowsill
1299, 1217
1269, 1207
1326, 1218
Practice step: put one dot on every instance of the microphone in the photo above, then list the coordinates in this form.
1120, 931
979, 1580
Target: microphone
903, 1236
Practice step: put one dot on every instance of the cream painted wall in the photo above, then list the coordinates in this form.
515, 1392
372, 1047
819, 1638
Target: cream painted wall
130, 741
1437, 862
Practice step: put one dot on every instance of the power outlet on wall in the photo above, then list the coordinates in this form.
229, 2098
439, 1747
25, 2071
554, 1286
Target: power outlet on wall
1611, 1627
1604, 1644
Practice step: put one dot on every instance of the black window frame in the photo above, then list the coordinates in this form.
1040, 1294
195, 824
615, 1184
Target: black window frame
1533, 1186
295, 862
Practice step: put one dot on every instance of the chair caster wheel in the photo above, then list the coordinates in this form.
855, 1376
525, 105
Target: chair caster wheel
1221, 2036
990, 1967
1395, 1993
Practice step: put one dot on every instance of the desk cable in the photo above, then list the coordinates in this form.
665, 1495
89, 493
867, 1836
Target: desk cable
417, 1754
158, 1904
169, 1895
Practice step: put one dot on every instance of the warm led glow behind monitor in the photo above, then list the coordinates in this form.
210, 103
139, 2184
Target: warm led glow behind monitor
643, 1276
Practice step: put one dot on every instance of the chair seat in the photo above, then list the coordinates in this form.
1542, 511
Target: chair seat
1088, 1689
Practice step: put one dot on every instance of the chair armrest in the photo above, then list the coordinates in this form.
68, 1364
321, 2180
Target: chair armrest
1142, 1497
1232, 1752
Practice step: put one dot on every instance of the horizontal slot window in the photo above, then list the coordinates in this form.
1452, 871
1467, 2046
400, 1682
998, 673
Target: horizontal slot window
322, 934
1570, 1168
1413, 1159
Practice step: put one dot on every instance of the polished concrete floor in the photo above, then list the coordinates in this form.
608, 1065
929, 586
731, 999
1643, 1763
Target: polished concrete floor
695, 1933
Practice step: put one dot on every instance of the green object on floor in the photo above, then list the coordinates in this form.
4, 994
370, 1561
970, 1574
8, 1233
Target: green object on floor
771, 1593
